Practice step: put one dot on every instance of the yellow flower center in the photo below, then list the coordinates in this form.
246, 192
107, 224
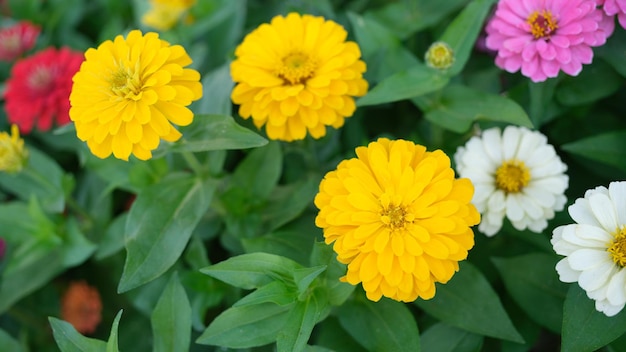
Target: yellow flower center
542, 23
126, 84
512, 176
617, 248
296, 68
396, 217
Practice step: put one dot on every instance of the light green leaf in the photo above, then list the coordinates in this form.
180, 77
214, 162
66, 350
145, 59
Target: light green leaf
461, 34
215, 132
9, 343
458, 107
468, 302
443, 338
380, 326
77, 248
69, 340
534, 285
246, 326
608, 148
217, 86
299, 325
159, 225
276, 292
416, 81
257, 175
337, 290
112, 345
303, 277
171, 318
585, 328
252, 270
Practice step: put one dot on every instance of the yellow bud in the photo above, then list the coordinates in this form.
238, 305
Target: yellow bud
440, 56
12, 153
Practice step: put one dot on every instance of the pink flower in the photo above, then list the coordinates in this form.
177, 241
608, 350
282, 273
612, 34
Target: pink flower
615, 7
543, 37
38, 90
17, 39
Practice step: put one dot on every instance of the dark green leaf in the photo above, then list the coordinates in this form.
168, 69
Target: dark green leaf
276, 292
112, 345
69, 340
252, 270
443, 338
613, 51
460, 106
380, 326
299, 325
246, 326
77, 248
114, 238
468, 302
159, 225
337, 290
303, 277
171, 318
584, 328
534, 285
608, 148
595, 82
257, 175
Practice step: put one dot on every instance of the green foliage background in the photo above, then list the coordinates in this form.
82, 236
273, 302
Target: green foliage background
232, 260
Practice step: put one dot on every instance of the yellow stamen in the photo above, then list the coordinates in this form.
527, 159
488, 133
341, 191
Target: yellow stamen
542, 23
617, 248
512, 176
296, 68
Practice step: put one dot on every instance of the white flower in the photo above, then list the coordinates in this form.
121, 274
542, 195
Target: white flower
595, 247
516, 174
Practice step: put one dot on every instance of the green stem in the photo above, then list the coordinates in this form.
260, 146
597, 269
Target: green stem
194, 163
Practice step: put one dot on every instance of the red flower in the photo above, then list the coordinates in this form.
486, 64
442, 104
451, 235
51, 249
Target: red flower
17, 39
39, 88
81, 306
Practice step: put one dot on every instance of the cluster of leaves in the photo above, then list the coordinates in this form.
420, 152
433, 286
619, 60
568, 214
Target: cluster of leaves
213, 242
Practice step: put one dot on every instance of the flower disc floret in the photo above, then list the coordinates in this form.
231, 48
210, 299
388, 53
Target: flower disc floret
297, 74
541, 38
594, 247
13, 155
517, 175
398, 218
129, 93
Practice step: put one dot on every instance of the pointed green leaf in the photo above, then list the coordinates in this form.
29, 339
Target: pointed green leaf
112, 345
114, 238
246, 326
304, 277
257, 175
159, 225
443, 338
468, 302
77, 248
380, 326
9, 343
585, 328
299, 326
252, 270
534, 285
217, 86
459, 107
608, 148
215, 132
70, 340
276, 292
171, 318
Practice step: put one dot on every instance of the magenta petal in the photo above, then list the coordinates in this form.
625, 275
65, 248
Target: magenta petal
529, 52
582, 53
610, 7
513, 64
570, 29
550, 67
563, 55
622, 20
548, 53
572, 68
560, 41
515, 45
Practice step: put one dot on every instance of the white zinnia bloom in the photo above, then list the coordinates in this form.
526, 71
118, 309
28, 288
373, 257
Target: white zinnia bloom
516, 174
595, 247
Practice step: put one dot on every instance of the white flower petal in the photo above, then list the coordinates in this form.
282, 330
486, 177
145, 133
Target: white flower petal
587, 258
604, 211
596, 277
492, 142
514, 210
497, 201
616, 291
510, 142
607, 308
581, 213
617, 192
566, 273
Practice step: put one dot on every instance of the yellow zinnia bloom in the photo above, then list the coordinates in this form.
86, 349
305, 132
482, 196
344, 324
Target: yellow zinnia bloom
398, 218
128, 92
164, 14
13, 155
297, 74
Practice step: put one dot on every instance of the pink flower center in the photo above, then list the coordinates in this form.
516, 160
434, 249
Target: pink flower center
41, 78
542, 23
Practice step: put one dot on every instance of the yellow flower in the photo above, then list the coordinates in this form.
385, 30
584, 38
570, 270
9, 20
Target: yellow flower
398, 218
164, 14
297, 74
12, 153
128, 92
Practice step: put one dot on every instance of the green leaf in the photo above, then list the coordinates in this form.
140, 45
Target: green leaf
584, 328
77, 248
114, 238
468, 302
336, 290
217, 86
414, 82
443, 338
171, 318
215, 132
252, 270
608, 148
42, 177
613, 51
257, 175
246, 326
9, 343
534, 285
380, 326
69, 340
304, 277
461, 34
458, 107
112, 345
299, 326
159, 225
595, 82
276, 292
